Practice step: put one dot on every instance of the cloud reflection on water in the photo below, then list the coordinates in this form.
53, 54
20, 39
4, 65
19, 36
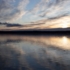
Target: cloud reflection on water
34, 52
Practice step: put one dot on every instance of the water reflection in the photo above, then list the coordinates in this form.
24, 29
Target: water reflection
34, 52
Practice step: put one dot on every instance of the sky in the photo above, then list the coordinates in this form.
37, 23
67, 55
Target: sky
27, 11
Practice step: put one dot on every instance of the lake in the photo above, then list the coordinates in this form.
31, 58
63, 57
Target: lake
30, 52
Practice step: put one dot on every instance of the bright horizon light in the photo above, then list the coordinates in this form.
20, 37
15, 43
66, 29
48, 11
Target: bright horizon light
64, 26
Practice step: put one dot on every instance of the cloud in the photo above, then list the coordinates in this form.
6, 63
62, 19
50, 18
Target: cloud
11, 10
52, 8
10, 25
56, 22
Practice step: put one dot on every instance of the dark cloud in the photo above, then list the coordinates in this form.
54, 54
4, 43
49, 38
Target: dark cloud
10, 25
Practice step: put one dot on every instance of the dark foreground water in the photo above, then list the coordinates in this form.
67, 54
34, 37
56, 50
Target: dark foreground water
18, 52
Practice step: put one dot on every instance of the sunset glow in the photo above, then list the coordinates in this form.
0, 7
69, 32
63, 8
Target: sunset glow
64, 26
34, 14
34, 34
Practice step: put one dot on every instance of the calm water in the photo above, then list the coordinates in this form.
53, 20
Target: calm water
34, 52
